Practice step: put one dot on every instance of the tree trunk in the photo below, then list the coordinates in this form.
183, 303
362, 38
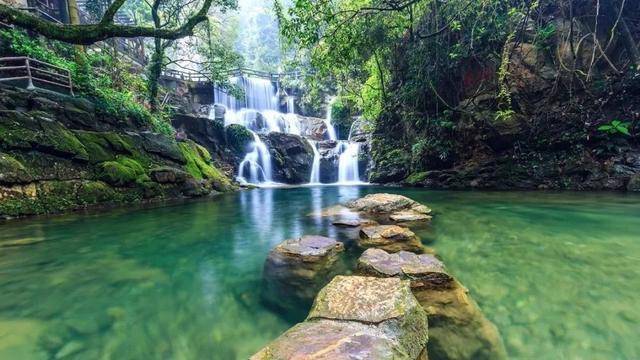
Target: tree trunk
155, 70
74, 19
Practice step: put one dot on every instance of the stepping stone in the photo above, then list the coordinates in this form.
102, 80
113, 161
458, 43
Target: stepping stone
458, 329
392, 238
357, 317
397, 207
296, 269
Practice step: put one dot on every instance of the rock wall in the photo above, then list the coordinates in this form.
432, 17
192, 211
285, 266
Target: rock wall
58, 153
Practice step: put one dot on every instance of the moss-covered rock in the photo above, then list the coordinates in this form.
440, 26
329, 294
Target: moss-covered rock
123, 171
416, 178
238, 138
198, 164
391, 164
12, 170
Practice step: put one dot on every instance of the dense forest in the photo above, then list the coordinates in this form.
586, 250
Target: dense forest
493, 94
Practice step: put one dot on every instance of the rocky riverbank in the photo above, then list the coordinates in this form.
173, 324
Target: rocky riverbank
58, 153
373, 314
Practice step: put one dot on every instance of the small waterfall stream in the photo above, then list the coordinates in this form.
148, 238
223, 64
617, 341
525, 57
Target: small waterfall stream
257, 163
315, 167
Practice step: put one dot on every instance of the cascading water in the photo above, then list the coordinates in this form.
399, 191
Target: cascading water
315, 166
291, 105
331, 131
348, 171
256, 164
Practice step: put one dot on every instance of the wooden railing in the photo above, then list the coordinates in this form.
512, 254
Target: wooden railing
193, 76
190, 76
37, 73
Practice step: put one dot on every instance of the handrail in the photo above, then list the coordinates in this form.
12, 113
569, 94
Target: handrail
34, 71
198, 77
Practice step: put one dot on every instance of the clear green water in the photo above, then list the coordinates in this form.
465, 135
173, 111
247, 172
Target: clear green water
559, 273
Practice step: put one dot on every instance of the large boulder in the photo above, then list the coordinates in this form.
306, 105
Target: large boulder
292, 157
297, 269
397, 208
356, 317
392, 238
457, 327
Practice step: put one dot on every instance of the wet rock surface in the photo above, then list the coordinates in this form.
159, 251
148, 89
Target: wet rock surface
357, 317
59, 153
297, 269
397, 207
292, 157
391, 238
457, 327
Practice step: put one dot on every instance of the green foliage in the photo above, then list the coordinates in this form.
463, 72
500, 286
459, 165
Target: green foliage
544, 36
341, 116
416, 178
238, 138
104, 79
615, 127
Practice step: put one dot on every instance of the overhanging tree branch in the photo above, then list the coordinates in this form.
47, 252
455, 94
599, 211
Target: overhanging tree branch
90, 33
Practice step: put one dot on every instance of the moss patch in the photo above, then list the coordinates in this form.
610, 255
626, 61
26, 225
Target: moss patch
200, 167
416, 178
12, 170
123, 171
238, 138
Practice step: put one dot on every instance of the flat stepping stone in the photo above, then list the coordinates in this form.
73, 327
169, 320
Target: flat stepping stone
392, 238
458, 329
356, 317
397, 207
296, 269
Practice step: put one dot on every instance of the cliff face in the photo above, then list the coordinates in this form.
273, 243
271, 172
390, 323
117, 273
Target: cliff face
535, 117
58, 153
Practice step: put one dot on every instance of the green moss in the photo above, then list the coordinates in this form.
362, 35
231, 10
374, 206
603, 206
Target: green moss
416, 178
238, 138
123, 171
199, 165
95, 192
12, 170
62, 140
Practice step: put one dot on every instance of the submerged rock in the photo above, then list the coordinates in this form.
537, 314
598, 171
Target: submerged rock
457, 327
392, 238
297, 269
356, 317
397, 207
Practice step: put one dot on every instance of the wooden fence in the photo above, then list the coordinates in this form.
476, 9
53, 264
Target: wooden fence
38, 74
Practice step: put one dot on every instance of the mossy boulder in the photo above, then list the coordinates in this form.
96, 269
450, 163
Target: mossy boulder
238, 138
122, 172
199, 165
13, 171
390, 163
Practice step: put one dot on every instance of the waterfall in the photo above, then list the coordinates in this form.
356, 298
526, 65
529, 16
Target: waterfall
291, 105
257, 162
348, 171
259, 94
315, 167
331, 131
